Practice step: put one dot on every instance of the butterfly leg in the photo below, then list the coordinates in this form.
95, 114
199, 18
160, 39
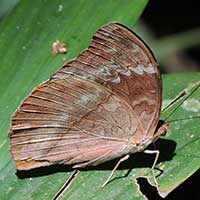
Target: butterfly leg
114, 169
157, 152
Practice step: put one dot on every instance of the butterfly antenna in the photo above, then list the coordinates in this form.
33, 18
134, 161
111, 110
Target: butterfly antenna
185, 93
182, 94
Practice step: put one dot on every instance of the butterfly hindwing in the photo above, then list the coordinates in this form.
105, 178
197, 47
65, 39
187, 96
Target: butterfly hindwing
121, 61
73, 121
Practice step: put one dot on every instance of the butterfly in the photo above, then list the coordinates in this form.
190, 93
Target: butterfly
102, 105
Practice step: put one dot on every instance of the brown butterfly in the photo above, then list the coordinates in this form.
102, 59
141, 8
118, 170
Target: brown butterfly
102, 105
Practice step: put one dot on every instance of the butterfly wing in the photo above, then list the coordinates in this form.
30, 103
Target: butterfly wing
121, 61
95, 108
69, 121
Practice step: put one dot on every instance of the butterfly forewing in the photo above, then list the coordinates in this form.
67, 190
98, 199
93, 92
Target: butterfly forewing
95, 108
119, 60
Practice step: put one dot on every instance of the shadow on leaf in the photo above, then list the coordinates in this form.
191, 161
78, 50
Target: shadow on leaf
137, 160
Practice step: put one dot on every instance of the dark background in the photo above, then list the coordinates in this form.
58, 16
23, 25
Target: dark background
165, 18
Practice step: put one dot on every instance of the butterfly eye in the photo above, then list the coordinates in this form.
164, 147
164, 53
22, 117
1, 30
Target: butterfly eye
163, 129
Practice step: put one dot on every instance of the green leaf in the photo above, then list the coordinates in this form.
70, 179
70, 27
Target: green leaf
26, 36
6, 5
26, 60
184, 118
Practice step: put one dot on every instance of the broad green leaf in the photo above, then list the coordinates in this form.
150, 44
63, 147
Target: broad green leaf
26, 36
26, 60
184, 118
6, 5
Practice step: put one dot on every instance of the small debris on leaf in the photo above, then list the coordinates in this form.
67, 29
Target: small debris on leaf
58, 48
